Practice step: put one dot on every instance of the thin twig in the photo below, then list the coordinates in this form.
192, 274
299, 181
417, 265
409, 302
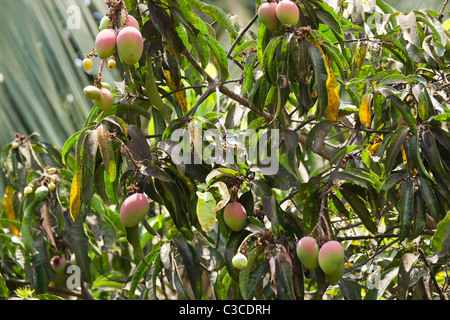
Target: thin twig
441, 13
370, 258
241, 35
184, 88
433, 278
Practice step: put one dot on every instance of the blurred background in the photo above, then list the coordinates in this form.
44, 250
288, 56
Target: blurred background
42, 45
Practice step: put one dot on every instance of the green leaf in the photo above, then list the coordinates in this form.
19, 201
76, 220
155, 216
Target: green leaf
433, 157
444, 117
221, 61
192, 265
133, 237
405, 208
79, 241
317, 135
153, 94
70, 142
429, 196
360, 177
350, 289
329, 18
4, 291
395, 144
270, 55
320, 78
441, 238
27, 226
403, 108
404, 274
216, 13
360, 208
205, 210
419, 216
128, 109
141, 268
244, 274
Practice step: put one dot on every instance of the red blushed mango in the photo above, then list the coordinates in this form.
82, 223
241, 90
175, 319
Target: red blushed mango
134, 209
132, 22
106, 100
58, 263
235, 216
331, 256
308, 252
105, 43
268, 16
130, 45
287, 12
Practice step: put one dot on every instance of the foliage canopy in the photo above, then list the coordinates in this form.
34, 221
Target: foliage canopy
358, 99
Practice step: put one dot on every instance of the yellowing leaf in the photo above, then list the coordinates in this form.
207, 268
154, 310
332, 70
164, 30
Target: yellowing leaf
180, 95
107, 152
405, 160
9, 208
375, 146
75, 194
365, 109
331, 112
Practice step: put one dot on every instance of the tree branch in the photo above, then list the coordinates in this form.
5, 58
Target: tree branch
441, 13
240, 36
321, 152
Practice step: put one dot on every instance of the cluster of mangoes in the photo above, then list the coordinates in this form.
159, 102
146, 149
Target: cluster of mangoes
127, 41
329, 257
273, 14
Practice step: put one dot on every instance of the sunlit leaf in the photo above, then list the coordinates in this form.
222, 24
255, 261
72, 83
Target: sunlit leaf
205, 210
7, 203
75, 193
365, 109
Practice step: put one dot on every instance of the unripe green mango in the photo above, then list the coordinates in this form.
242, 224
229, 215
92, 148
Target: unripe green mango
134, 209
104, 23
268, 15
287, 12
308, 252
239, 261
91, 92
130, 45
235, 216
41, 193
331, 256
105, 43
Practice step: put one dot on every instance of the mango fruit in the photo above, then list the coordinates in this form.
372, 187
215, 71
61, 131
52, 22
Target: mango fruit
287, 12
331, 257
235, 216
239, 261
268, 16
134, 209
105, 43
308, 252
130, 45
